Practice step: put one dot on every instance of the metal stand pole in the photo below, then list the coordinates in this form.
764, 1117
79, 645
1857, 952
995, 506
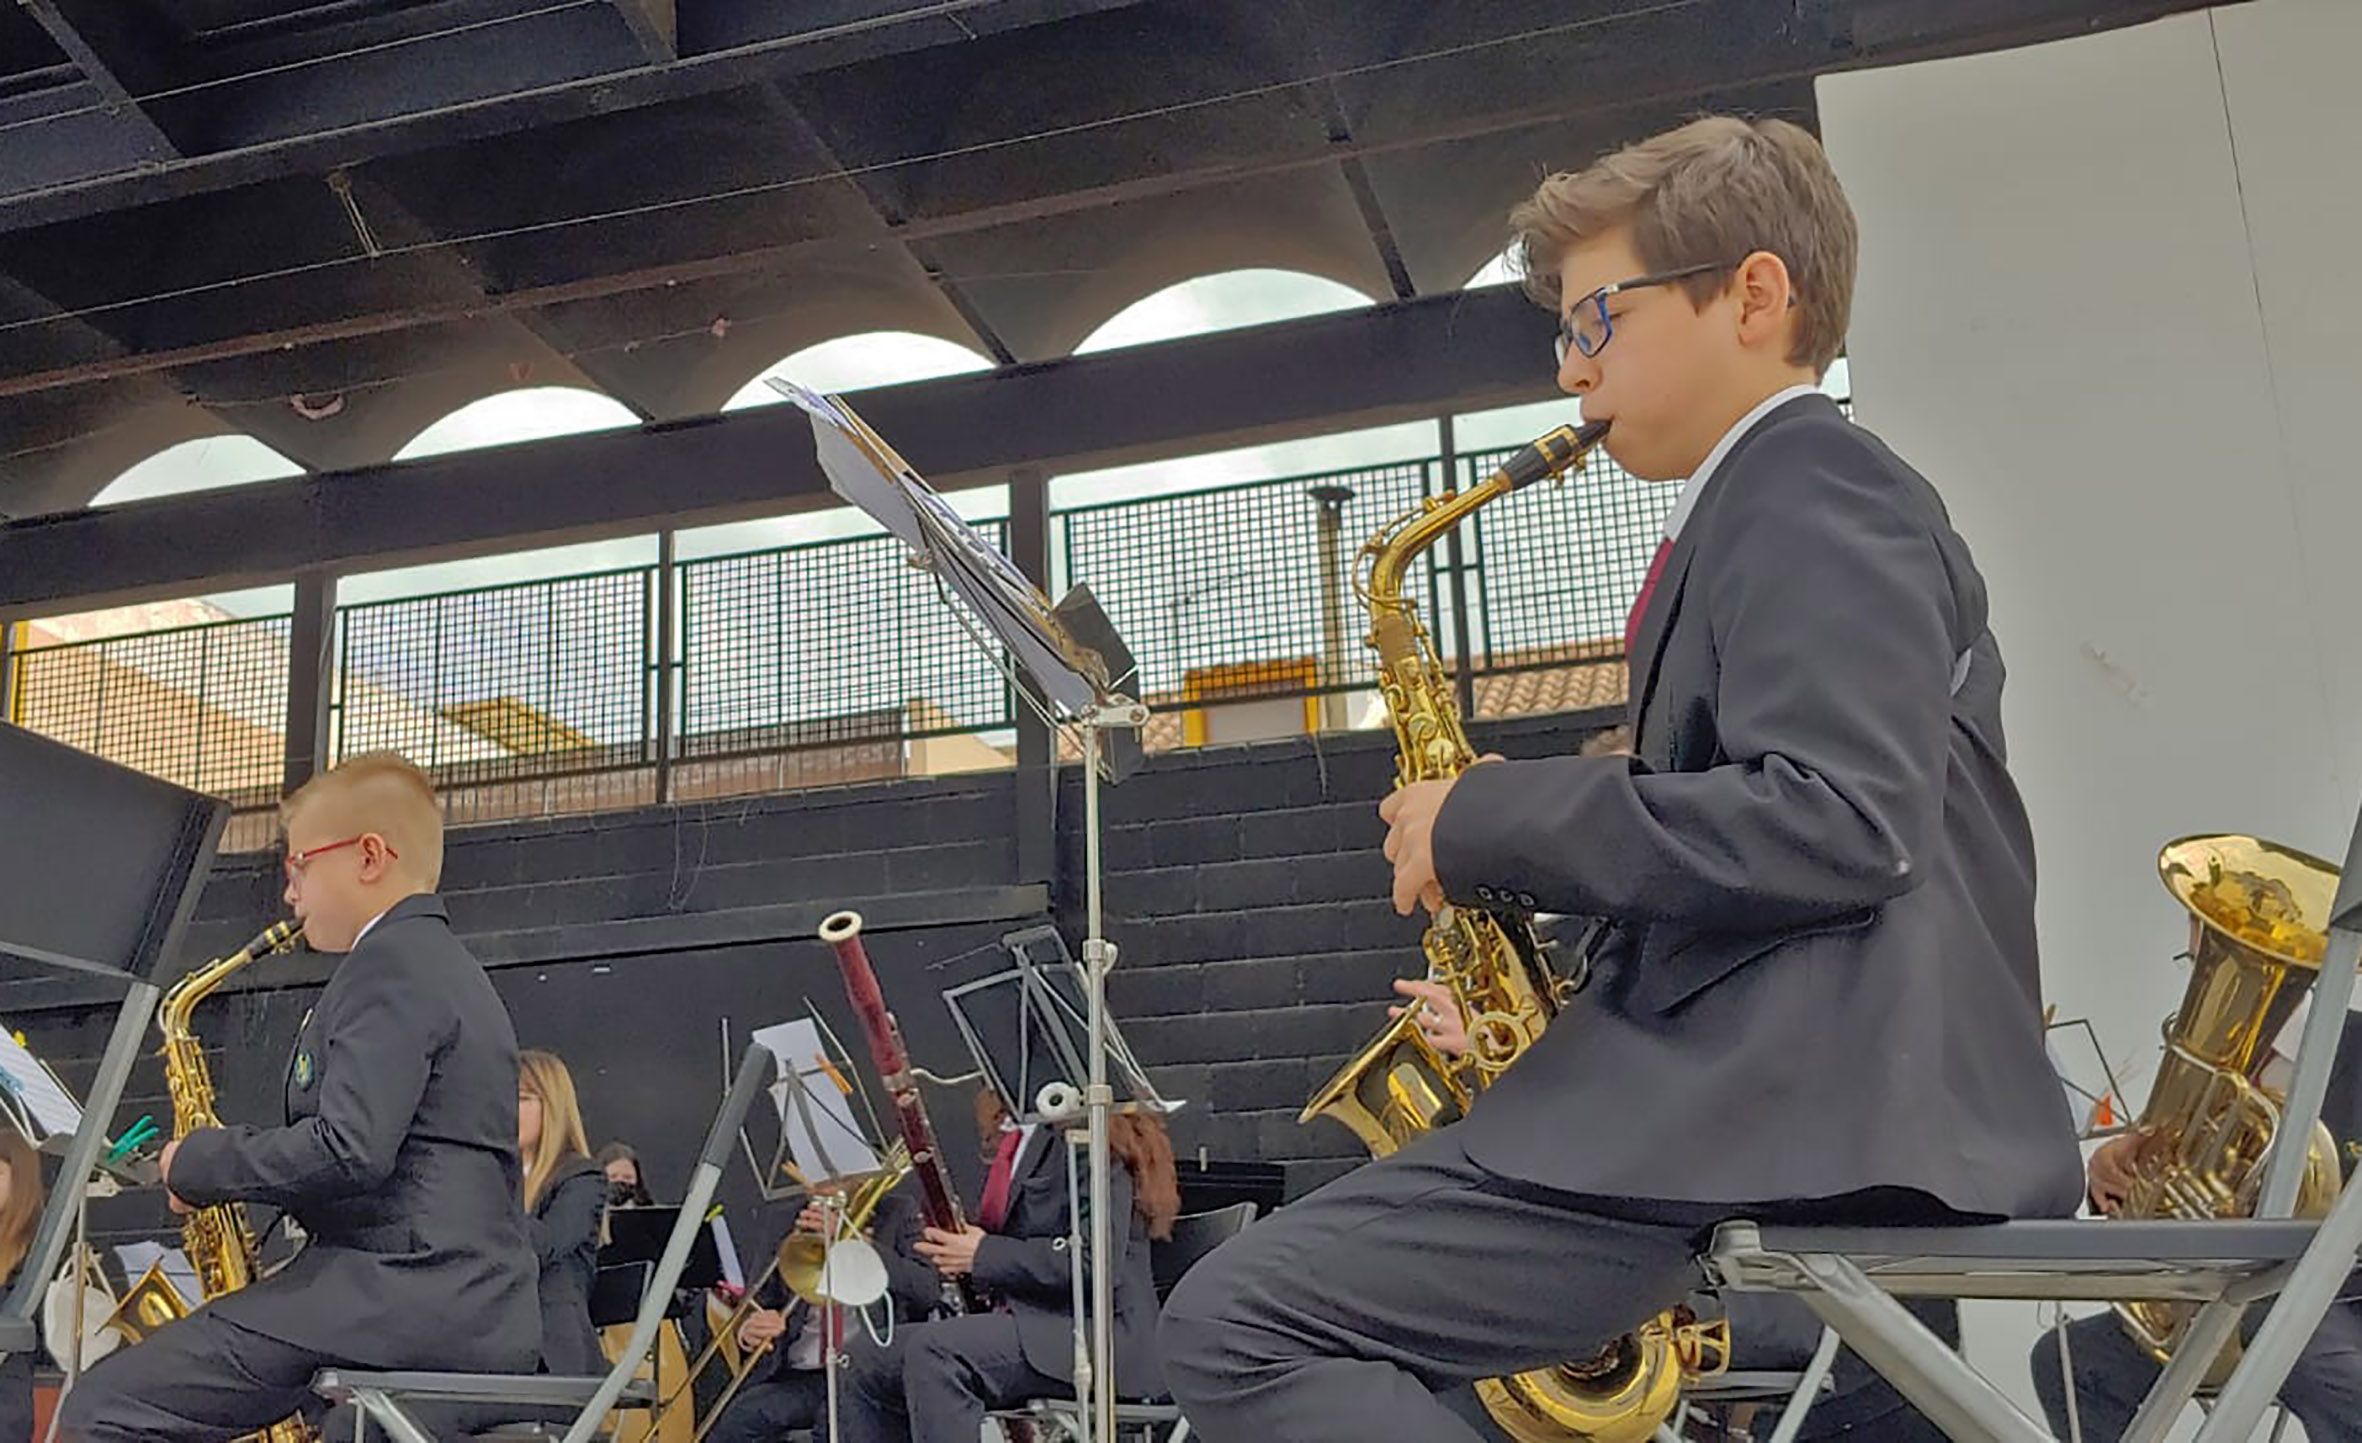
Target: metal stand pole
1099, 1098
830, 1203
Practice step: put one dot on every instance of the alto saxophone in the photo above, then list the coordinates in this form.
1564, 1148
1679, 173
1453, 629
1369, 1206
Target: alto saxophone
1401, 1087
219, 1240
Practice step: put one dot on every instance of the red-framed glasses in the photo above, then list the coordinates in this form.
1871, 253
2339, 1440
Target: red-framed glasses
297, 861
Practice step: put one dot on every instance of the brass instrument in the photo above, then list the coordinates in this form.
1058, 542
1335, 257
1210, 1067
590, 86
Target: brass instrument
800, 1262
2259, 916
1400, 1086
219, 1241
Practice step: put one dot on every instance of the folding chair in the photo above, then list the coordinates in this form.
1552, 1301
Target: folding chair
389, 1398
1060, 1420
1795, 1391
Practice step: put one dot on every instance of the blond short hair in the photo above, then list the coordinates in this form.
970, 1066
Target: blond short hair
1715, 190
381, 792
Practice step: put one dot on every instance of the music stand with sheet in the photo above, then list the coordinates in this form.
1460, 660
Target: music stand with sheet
1078, 690
812, 1095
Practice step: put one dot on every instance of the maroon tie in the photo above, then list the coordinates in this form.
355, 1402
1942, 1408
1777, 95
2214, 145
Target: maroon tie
994, 1209
1632, 619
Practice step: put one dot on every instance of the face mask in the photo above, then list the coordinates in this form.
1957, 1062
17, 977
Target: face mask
620, 1193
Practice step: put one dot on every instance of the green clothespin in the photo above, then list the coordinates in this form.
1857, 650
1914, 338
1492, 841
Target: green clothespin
139, 1132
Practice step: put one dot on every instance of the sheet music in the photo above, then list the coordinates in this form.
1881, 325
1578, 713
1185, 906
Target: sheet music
48, 1105
732, 1273
823, 1140
866, 472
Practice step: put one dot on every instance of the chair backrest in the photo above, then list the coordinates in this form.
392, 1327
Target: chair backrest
1194, 1236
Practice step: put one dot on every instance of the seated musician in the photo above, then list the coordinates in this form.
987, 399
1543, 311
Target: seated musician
1769, 1331
20, 1213
398, 1157
936, 1381
2113, 1373
787, 1387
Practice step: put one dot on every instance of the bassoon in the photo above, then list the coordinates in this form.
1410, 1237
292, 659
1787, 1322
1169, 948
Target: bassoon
939, 1200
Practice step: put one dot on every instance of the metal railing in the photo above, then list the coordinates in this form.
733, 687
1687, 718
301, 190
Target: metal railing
835, 660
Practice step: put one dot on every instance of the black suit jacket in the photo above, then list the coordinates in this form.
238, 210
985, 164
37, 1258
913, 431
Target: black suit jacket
1024, 1262
399, 1159
1820, 977
564, 1232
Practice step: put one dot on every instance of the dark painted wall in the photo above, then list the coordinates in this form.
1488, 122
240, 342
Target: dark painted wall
1244, 888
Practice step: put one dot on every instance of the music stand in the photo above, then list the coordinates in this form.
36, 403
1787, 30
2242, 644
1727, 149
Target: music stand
1073, 678
819, 1137
102, 888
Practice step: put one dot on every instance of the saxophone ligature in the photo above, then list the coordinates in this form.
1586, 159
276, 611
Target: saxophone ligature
2259, 928
1401, 1086
218, 1240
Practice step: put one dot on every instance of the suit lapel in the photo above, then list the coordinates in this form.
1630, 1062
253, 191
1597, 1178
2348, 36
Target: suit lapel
1648, 646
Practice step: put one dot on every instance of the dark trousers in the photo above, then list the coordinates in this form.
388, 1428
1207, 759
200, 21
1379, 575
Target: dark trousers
934, 1382
2113, 1375
200, 1380
1343, 1314
790, 1398
16, 1398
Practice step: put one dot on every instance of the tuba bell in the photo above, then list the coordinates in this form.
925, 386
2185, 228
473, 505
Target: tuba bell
2259, 916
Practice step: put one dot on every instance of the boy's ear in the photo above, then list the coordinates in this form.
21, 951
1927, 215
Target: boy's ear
1765, 293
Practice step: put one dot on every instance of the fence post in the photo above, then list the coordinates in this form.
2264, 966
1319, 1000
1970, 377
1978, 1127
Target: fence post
311, 660
667, 658
7, 669
1463, 667
1037, 771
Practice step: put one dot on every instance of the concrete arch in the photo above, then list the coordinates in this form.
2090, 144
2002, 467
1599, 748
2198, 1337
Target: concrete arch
842, 304
1195, 258
79, 472
613, 412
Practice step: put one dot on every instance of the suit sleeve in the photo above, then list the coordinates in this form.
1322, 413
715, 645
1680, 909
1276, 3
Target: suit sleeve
373, 1069
1831, 613
1038, 1266
570, 1220
911, 1279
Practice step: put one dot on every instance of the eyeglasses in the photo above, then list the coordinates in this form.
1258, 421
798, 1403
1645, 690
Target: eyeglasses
297, 861
1586, 326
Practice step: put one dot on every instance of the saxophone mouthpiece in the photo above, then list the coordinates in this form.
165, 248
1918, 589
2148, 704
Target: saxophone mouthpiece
1554, 454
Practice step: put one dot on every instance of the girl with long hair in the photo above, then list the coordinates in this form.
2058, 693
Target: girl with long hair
565, 1203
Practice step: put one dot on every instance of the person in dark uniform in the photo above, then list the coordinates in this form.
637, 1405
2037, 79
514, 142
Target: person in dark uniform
936, 1382
1769, 1332
565, 1204
20, 1213
2113, 1373
788, 1386
398, 1157
625, 1187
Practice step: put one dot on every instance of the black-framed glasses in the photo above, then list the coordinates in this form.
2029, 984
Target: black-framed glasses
1586, 326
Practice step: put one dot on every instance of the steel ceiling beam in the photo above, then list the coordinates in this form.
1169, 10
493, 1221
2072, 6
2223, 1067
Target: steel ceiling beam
769, 39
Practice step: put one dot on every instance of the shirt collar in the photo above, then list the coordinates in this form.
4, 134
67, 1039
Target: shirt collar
1690, 489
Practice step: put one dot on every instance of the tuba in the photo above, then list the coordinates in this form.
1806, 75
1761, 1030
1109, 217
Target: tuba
2259, 916
218, 1240
1400, 1087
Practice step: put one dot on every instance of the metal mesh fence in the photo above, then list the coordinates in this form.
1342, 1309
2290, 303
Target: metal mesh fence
1555, 569
203, 706
1235, 592
548, 686
837, 651
836, 660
